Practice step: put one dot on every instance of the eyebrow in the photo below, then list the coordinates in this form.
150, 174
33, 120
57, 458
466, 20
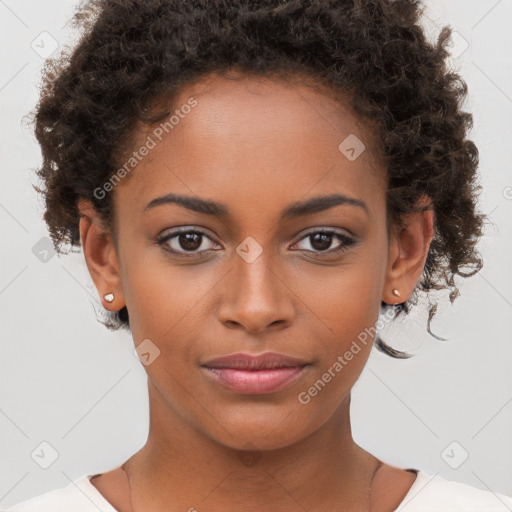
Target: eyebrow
297, 209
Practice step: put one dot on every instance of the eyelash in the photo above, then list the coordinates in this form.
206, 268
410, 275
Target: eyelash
346, 242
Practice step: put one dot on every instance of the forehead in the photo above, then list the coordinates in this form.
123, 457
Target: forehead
241, 140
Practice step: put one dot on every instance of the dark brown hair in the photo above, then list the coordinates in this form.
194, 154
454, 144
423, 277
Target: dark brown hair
132, 53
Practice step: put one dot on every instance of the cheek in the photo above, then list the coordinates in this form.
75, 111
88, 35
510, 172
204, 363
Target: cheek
347, 309
166, 303
348, 312
344, 300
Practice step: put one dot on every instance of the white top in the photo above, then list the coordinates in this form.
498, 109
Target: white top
429, 493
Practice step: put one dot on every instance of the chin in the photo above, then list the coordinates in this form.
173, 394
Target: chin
269, 428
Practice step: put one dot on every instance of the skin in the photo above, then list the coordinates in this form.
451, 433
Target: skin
256, 145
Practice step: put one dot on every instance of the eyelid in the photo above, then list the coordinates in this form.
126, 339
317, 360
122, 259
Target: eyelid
328, 230
186, 228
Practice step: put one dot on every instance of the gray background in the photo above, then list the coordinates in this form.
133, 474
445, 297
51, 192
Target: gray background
67, 381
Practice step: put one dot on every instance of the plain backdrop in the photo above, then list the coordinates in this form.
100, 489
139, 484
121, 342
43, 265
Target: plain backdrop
74, 391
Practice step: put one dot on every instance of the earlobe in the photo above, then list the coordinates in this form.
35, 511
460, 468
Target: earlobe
408, 251
100, 257
393, 292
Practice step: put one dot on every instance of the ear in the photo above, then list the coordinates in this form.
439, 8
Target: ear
408, 250
100, 255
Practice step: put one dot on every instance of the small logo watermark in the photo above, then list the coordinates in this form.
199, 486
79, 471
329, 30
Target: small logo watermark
146, 351
455, 455
44, 455
351, 147
43, 250
44, 44
249, 249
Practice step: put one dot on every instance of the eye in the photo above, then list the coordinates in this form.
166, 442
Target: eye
320, 241
183, 241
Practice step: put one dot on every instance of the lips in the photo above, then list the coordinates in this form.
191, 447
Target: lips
266, 361
253, 374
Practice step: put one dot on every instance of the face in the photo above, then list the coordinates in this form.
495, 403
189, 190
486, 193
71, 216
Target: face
256, 261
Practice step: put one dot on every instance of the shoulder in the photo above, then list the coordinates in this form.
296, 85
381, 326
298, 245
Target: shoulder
433, 492
79, 496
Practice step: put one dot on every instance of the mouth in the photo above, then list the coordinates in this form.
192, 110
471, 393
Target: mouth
249, 374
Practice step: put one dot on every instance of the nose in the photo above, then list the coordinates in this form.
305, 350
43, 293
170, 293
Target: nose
256, 297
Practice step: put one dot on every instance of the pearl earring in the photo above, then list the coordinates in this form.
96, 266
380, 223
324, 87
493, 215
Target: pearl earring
109, 297
395, 292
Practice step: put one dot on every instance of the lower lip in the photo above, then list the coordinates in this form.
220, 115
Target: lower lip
256, 381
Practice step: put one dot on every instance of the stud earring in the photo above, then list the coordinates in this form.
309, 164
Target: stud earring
395, 292
109, 297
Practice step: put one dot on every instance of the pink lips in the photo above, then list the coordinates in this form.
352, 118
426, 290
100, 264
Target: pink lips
250, 374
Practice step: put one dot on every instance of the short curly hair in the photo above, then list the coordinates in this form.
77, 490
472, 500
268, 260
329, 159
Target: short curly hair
133, 53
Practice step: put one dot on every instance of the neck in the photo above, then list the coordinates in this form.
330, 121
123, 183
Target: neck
181, 466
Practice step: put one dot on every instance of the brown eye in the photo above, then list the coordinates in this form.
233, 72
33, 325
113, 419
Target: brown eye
189, 241
322, 241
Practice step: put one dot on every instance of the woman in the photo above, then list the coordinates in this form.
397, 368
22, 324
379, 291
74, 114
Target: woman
251, 182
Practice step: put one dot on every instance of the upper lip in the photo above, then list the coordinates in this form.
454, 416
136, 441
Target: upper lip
265, 361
